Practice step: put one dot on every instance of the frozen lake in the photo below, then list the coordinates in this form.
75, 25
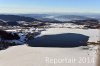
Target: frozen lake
64, 37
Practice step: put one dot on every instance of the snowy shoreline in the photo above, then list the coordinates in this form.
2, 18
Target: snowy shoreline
92, 33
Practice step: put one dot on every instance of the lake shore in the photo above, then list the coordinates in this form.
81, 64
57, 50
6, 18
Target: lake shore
24, 55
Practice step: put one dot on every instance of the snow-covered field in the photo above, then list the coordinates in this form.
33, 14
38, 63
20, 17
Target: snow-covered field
36, 56
43, 56
66, 25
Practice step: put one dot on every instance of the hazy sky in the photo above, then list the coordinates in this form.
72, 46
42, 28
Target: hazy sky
52, 6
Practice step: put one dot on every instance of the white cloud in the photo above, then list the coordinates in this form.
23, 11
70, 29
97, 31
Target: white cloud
47, 10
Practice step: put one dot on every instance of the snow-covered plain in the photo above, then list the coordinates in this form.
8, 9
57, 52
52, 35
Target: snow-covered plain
36, 56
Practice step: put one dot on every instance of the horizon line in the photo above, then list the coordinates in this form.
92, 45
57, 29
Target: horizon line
53, 13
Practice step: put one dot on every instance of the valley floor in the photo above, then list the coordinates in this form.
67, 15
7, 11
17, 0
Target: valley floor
50, 56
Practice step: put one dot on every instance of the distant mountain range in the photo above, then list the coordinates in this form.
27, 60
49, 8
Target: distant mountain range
59, 17
37, 16
16, 18
12, 19
53, 18
67, 17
